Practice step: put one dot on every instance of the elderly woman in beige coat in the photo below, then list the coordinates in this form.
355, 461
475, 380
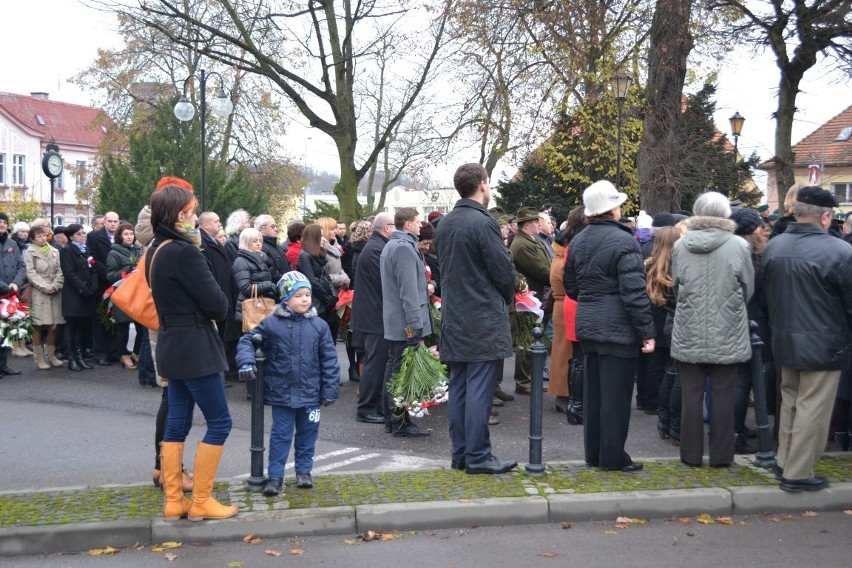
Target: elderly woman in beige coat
713, 280
45, 276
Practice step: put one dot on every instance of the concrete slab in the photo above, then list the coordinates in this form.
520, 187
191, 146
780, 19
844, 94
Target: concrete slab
452, 514
641, 504
49, 539
748, 500
272, 524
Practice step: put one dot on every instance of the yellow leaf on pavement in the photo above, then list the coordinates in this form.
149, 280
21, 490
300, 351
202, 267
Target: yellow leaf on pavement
171, 544
705, 519
725, 520
102, 551
248, 538
610, 532
349, 541
638, 521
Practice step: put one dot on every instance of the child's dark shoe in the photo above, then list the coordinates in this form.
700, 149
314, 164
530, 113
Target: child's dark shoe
304, 481
273, 487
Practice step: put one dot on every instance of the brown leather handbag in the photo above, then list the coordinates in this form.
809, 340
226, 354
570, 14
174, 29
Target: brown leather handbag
255, 308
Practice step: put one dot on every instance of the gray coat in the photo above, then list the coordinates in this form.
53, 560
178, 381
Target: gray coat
713, 280
12, 267
405, 301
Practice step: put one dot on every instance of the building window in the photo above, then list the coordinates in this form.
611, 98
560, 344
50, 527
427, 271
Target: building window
58, 221
18, 161
81, 220
2, 169
842, 192
80, 175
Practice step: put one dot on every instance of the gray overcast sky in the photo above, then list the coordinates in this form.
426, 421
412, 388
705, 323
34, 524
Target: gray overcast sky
58, 38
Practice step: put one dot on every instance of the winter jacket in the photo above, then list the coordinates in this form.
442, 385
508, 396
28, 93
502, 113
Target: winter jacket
45, 274
406, 300
292, 254
12, 267
221, 263
477, 282
144, 231
278, 263
712, 281
323, 295
98, 246
531, 261
808, 277
604, 273
80, 287
334, 267
121, 258
251, 269
352, 253
367, 300
301, 360
188, 301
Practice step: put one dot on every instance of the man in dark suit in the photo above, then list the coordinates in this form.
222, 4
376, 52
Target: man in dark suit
275, 256
221, 262
98, 245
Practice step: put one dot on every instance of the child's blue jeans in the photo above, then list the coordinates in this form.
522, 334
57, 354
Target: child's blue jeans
284, 420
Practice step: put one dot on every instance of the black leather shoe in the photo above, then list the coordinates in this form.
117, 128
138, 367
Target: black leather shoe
492, 466
103, 362
457, 465
273, 487
777, 470
690, 464
503, 395
7, 370
630, 468
410, 431
303, 480
371, 418
810, 484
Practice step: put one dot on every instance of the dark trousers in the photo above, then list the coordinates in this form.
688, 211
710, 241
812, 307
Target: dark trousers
721, 378
471, 392
373, 374
741, 391
285, 420
607, 390
395, 349
103, 342
654, 371
670, 401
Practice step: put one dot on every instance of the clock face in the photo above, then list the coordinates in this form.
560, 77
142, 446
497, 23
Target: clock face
54, 165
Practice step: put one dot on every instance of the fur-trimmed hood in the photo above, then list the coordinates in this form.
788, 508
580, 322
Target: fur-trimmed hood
282, 312
706, 234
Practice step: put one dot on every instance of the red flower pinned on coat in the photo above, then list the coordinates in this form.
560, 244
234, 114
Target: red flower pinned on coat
90, 261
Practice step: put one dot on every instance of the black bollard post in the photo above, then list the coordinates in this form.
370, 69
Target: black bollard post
257, 480
764, 457
537, 353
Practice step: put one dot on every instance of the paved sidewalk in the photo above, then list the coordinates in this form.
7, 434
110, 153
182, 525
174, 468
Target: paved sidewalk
72, 519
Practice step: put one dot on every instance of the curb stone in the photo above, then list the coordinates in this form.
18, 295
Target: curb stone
49, 539
749, 500
645, 504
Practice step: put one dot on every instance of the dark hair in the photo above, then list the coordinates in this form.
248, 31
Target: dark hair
36, 231
294, 231
467, 179
404, 215
312, 240
575, 223
167, 204
72, 229
119, 233
561, 238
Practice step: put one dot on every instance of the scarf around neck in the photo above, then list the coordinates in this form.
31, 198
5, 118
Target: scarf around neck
43, 249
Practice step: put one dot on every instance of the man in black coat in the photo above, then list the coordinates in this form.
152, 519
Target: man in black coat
808, 276
220, 261
367, 324
275, 255
13, 272
98, 245
477, 281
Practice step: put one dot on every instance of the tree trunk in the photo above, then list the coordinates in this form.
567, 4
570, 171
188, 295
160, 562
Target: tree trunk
346, 189
788, 87
671, 43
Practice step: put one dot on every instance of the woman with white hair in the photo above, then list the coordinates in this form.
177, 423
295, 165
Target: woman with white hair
236, 223
251, 269
712, 280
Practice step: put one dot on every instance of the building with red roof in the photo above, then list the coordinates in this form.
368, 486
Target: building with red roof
27, 124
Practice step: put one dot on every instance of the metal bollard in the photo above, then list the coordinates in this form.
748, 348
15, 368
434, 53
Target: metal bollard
257, 480
764, 457
537, 353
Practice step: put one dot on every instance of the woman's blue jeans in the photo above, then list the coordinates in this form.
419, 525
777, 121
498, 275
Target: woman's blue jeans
209, 394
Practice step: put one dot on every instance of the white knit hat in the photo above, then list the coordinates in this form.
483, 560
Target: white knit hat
601, 197
644, 221
20, 226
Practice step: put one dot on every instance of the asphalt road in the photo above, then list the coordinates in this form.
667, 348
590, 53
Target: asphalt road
750, 542
64, 429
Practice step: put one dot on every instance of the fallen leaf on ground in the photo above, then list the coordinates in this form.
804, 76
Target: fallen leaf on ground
810, 514
465, 500
170, 556
102, 551
566, 525
775, 519
297, 551
349, 541
294, 541
235, 564
136, 546
378, 535
548, 554
169, 545
705, 519
725, 520
271, 552
622, 522
610, 532
787, 518
684, 520
248, 538
847, 511
638, 521
255, 541
742, 523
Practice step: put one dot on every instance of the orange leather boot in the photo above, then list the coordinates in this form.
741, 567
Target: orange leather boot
203, 505
176, 504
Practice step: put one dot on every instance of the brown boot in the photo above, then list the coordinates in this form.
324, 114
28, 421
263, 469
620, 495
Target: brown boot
175, 504
38, 355
185, 480
50, 356
203, 505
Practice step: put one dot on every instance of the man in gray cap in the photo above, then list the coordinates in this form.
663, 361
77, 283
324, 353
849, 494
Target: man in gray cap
808, 276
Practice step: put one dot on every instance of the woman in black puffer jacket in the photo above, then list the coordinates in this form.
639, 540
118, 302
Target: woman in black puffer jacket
311, 263
250, 269
605, 275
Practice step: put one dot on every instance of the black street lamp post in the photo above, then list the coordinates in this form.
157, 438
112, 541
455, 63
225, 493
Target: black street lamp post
736, 128
221, 107
620, 83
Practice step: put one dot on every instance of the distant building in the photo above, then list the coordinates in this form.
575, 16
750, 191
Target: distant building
27, 124
823, 158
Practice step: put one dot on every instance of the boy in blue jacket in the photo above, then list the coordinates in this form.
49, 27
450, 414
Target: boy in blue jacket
302, 373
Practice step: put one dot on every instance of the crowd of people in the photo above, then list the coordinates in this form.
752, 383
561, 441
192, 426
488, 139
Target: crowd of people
658, 305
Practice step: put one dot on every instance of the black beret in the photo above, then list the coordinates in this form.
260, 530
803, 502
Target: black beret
815, 195
747, 220
664, 219
4, 217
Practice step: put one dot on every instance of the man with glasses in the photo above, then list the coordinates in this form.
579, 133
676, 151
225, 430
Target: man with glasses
276, 258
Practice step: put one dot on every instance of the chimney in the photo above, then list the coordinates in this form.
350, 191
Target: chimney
40, 95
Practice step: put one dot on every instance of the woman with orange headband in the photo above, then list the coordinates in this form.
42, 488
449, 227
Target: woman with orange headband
189, 352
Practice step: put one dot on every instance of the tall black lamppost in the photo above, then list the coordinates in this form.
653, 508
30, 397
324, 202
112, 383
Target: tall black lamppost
619, 85
52, 164
221, 107
736, 128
